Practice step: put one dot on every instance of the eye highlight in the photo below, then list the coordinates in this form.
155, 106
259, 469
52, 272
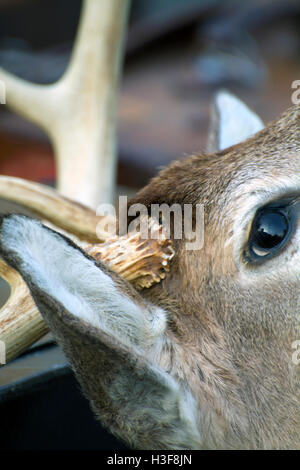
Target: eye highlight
271, 230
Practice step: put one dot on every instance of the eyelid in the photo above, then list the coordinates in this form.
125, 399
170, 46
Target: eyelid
291, 203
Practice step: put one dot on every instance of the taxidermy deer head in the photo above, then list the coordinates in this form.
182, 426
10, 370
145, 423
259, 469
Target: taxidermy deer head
203, 358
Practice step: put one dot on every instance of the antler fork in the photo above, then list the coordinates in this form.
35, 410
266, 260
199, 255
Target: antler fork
78, 114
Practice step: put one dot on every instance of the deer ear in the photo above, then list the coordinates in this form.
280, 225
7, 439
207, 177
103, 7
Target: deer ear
232, 122
110, 335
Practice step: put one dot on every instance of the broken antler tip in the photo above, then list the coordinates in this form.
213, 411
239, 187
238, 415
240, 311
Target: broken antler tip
141, 261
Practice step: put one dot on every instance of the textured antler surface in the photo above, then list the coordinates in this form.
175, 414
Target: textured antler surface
142, 262
78, 111
78, 114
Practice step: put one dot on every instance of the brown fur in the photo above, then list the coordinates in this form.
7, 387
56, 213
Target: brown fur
235, 342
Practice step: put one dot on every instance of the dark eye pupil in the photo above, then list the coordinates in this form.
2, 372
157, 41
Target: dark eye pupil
271, 229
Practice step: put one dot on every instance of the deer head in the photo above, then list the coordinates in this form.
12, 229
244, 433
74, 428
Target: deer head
202, 359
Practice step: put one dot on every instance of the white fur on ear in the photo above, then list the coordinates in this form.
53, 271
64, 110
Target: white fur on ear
232, 122
139, 400
64, 273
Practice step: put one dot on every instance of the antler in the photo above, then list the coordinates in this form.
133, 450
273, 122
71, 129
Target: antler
78, 111
78, 114
53, 207
20, 321
142, 262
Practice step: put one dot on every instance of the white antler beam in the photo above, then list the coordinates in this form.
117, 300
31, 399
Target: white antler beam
78, 112
50, 205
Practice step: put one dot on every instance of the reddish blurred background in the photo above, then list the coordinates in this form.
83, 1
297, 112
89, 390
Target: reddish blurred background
178, 53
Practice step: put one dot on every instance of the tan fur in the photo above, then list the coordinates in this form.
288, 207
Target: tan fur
235, 340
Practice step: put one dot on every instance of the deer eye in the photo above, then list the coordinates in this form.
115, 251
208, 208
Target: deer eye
271, 230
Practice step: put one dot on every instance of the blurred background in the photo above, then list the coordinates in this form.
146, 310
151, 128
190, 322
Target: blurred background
178, 53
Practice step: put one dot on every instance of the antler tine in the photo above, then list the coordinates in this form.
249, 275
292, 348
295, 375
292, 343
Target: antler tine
143, 262
78, 112
20, 321
47, 203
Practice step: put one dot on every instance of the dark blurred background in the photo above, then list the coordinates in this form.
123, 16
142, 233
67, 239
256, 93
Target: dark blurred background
178, 53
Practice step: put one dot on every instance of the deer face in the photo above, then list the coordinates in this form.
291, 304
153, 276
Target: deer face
235, 302
203, 359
